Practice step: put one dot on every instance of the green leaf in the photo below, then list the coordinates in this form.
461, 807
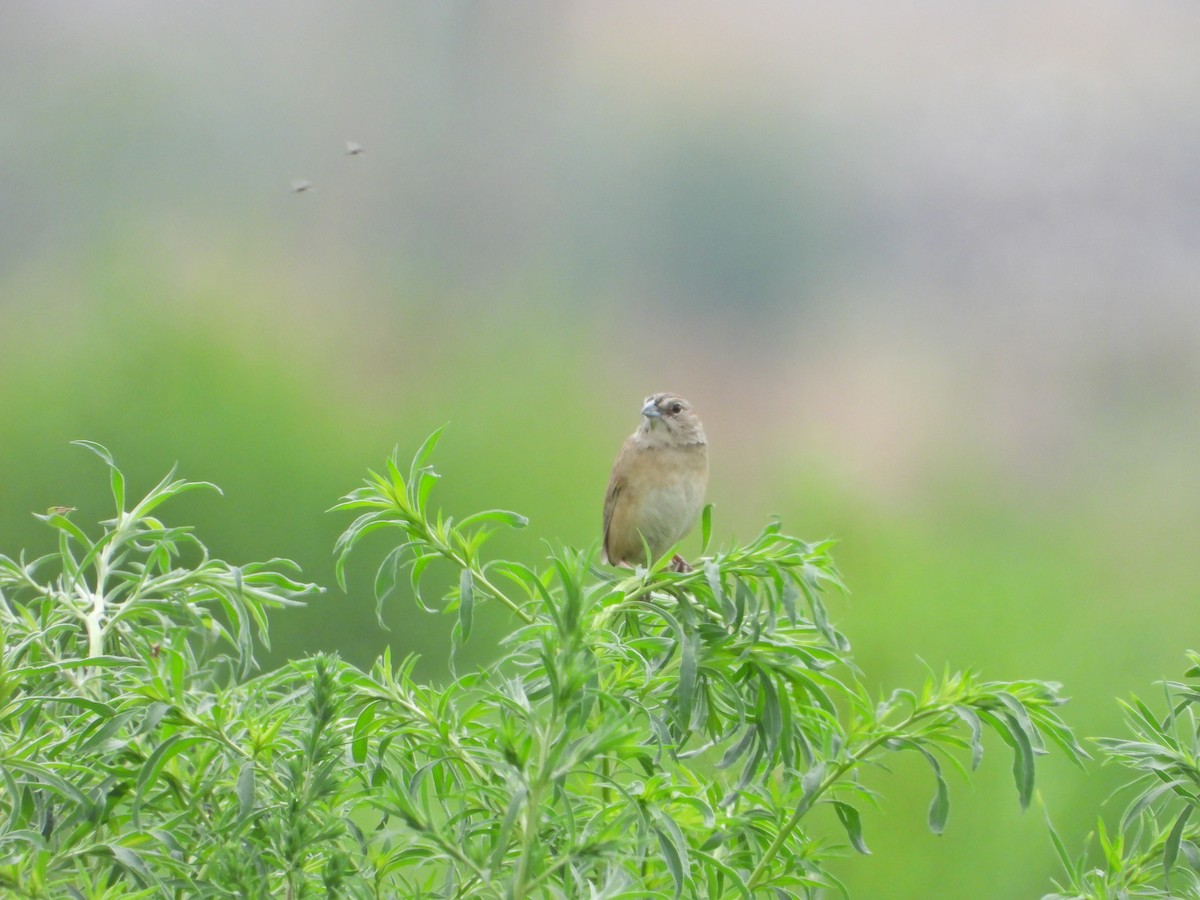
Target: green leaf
712, 575
245, 789
466, 606
1060, 848
86, 662
103, 710
733, 878
43, 776
1023, 765
99, 449
503, 516
810, 783
939, 808
1171, 847
164, 490
131, 860
674, 849
362, 732
1020, 714
788, 596
414, 577
62, 523
737, 750
104, 739
771, 719
685, 693
426, 479
515, 804
117, 481
973, 722
850, 820
1151, 796
386, 577
154, 764
393, 490
705, 528
422, 455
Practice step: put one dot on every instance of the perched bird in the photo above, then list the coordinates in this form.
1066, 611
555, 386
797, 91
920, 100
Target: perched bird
657, 485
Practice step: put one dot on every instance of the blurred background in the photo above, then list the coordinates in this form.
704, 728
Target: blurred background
928, 270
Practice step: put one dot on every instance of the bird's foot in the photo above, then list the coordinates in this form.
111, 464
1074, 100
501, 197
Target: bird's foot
679, 564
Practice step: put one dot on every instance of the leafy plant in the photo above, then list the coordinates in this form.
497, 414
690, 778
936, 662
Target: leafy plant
125, 748
1155, 849
641, 733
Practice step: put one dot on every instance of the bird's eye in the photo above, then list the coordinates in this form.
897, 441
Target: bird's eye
676, 407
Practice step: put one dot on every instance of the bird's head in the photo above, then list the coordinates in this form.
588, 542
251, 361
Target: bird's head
669, 419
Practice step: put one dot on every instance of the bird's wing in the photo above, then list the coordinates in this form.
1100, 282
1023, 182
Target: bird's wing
616, 483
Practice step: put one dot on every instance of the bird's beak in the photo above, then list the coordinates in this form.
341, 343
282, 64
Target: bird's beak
650, 411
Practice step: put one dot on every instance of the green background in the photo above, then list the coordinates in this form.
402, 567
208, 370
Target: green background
927, 272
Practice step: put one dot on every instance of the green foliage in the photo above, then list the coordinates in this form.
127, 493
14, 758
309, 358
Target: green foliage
641, 733
1155, 850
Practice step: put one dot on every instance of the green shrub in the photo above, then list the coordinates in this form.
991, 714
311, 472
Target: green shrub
1155, 849
641, 733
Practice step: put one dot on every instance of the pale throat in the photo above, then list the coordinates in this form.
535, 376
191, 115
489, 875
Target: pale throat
655, 433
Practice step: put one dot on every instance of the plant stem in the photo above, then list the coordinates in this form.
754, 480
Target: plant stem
809, 800
482, 579
529, 824
94, 621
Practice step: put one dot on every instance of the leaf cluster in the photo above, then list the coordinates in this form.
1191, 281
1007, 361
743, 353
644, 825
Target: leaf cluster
641, 732
1154, 851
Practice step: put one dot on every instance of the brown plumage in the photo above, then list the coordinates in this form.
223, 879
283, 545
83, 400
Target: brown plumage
657, 486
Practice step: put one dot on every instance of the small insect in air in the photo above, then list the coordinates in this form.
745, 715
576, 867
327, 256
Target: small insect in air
300, 185
353, 149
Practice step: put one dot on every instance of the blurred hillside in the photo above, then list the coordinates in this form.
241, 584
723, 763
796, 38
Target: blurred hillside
929, 273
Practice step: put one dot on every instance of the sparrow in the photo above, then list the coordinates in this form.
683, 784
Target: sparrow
656, 490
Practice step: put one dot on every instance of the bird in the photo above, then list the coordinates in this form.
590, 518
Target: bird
656, 489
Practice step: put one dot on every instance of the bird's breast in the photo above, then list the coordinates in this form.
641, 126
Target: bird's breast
667, 487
